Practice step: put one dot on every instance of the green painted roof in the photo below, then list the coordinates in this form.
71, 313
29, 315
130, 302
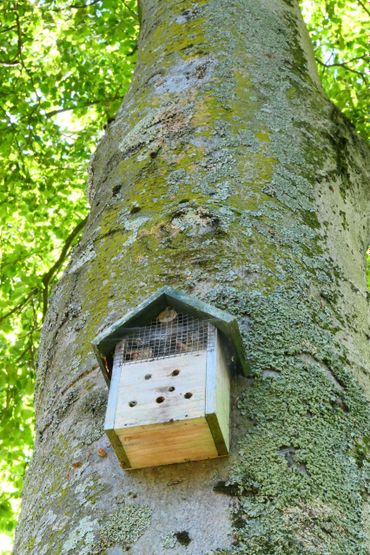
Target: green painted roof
104, 343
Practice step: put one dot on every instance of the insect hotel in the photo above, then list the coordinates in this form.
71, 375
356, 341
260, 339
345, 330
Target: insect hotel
168, 365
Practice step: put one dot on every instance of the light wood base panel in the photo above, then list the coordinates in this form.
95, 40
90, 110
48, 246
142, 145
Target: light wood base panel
168, 443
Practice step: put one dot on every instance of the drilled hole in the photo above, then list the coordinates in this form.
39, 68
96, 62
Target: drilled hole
175, 372
132, 403
171, 388
147, 376
188, 395
159, 399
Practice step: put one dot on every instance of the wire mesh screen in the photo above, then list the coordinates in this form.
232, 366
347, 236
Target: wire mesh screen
162, 339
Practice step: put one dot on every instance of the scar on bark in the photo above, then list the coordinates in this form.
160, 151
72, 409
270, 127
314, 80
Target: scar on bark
289, 453
310, 359
183, 537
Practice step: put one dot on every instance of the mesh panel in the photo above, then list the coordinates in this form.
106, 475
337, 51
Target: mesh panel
184, 334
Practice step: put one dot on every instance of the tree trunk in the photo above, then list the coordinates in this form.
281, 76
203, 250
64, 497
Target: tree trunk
226, 174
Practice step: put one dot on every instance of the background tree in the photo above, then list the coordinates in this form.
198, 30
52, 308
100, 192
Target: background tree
341, 51
64, 69
23, 296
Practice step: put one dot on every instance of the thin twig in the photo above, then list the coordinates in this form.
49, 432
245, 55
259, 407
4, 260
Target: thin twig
134, 49
10, 28
343, 65
24, 352
363, 6
16, 59
20, 305
83, 6
92, 103
129, 9
48, 276
347, 61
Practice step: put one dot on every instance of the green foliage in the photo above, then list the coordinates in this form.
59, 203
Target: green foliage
64, 68
338, 32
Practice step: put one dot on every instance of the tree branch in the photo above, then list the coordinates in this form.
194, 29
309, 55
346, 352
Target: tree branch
363, 7
134, 49
347, 62
46, 278
20, 305
83, 6
343, 65
16, 60
10, 28
91, 103
129, 9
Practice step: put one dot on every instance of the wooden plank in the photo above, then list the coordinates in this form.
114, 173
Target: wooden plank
140, 315
109, 423
211, 372
114, 388
160, 444
149, 393
102, 361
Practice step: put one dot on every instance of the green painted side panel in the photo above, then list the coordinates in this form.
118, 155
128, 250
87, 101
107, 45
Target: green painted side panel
118, 448
217, 434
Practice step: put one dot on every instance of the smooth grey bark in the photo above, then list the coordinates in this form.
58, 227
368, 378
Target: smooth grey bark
229, 175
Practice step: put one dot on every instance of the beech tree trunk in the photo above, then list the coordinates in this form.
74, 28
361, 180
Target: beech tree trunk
226, 174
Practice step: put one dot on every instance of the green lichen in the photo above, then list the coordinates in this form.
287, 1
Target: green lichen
80, 538
169, 541
123, 527
298, 409
30, 545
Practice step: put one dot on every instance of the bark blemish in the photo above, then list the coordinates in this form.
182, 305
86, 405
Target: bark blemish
271, 373
313, 361
183, 537
226, 488
289, 453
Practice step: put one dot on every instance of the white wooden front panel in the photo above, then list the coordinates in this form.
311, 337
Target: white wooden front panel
143, 393
114, 388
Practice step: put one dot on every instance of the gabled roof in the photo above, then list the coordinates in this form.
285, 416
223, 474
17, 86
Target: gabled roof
104, 343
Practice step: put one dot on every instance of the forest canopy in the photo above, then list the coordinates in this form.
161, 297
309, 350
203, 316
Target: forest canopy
65, 67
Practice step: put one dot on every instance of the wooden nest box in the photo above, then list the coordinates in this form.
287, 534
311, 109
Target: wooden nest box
168, 366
